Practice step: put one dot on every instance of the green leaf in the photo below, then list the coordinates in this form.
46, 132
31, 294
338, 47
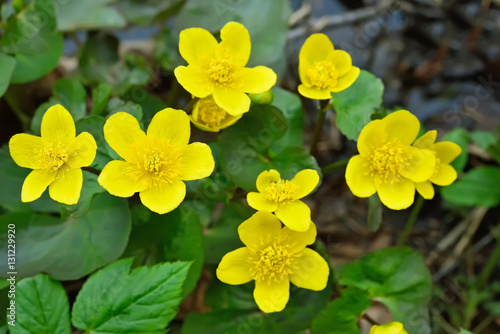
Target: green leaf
7, 65
100, 97
292, 160
143, 300
341, 315
41, 307
356, 104
118, 105
97, 57
90, 188
460, 137
464, 331
483, 139
147, 12
398, 278
71, 94
374, 218
89, 14
73, 248
479, 186
166, 50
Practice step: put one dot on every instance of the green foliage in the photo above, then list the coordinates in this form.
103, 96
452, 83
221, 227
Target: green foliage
41, 307
7, 65
149, 11
374, 219
143, 300
89, 14
460, 137
291, 107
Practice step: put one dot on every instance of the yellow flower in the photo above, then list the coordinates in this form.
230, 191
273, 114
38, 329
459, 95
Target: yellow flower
218, 69
283, 197
56, 157
324, 70
444, 174
389, 328
273, 257
208, 116
155, 163
387, 163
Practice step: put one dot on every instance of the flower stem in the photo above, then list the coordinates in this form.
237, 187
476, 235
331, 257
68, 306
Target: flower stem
411, 221
191, 104
324, 105
92, 170
334, 166
493, 260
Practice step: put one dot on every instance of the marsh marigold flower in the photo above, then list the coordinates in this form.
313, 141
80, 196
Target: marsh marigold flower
208, 116
218, 69
445, 152
387, 164
324, 70
56, 157
274, 256
155, 163
389, 328
283, 197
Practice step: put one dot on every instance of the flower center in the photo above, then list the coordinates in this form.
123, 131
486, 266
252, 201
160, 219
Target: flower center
221, 70
281, 192
323, 74
53, 157
388, 160
273, 263
210, 114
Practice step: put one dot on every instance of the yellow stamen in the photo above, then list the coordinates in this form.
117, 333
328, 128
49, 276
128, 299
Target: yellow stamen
53, 157
323, 74
210, 114
388, 160
281, 192
221, 70
273, 262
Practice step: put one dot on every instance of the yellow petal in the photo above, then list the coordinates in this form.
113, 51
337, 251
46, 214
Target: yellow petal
402, 127
372, 136
58, 125
235, 268
315, 93
341, 60
398, 195
420, 166
298, 240
81, 151
67, 186
359, 178
117, 180
35, 184
310, 271
305, 181
317, 47
425, 189
271, 296
259, 201
231, 100
447, 151
347, 80
24, 149
254, 80
389, 328
260, 230
163, 197
266, 178
235, 40
295, 215
122, 131
427, 140
445, 175
195, 80
171, 124
196, 45
197, 161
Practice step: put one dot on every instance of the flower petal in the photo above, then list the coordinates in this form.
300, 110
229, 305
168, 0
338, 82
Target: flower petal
235, 268
58, 125
254, 80
425, 189
24, 149
359, 178
295, 215
271, 296
35, 184
265, 179
195, 80
310, 271
314, 93
82, 151
116, 179
121, 132
163, 197
197, 161
317, 47
398, 195
235, 40
67, 186
341, 60
347, 80
259, 201
447, 151
260, 230
445, 175
373, 136
402, 127
171, 124
427, 140
298, 240
421, 164
389, 328
196, 45
233, 101
305, 181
